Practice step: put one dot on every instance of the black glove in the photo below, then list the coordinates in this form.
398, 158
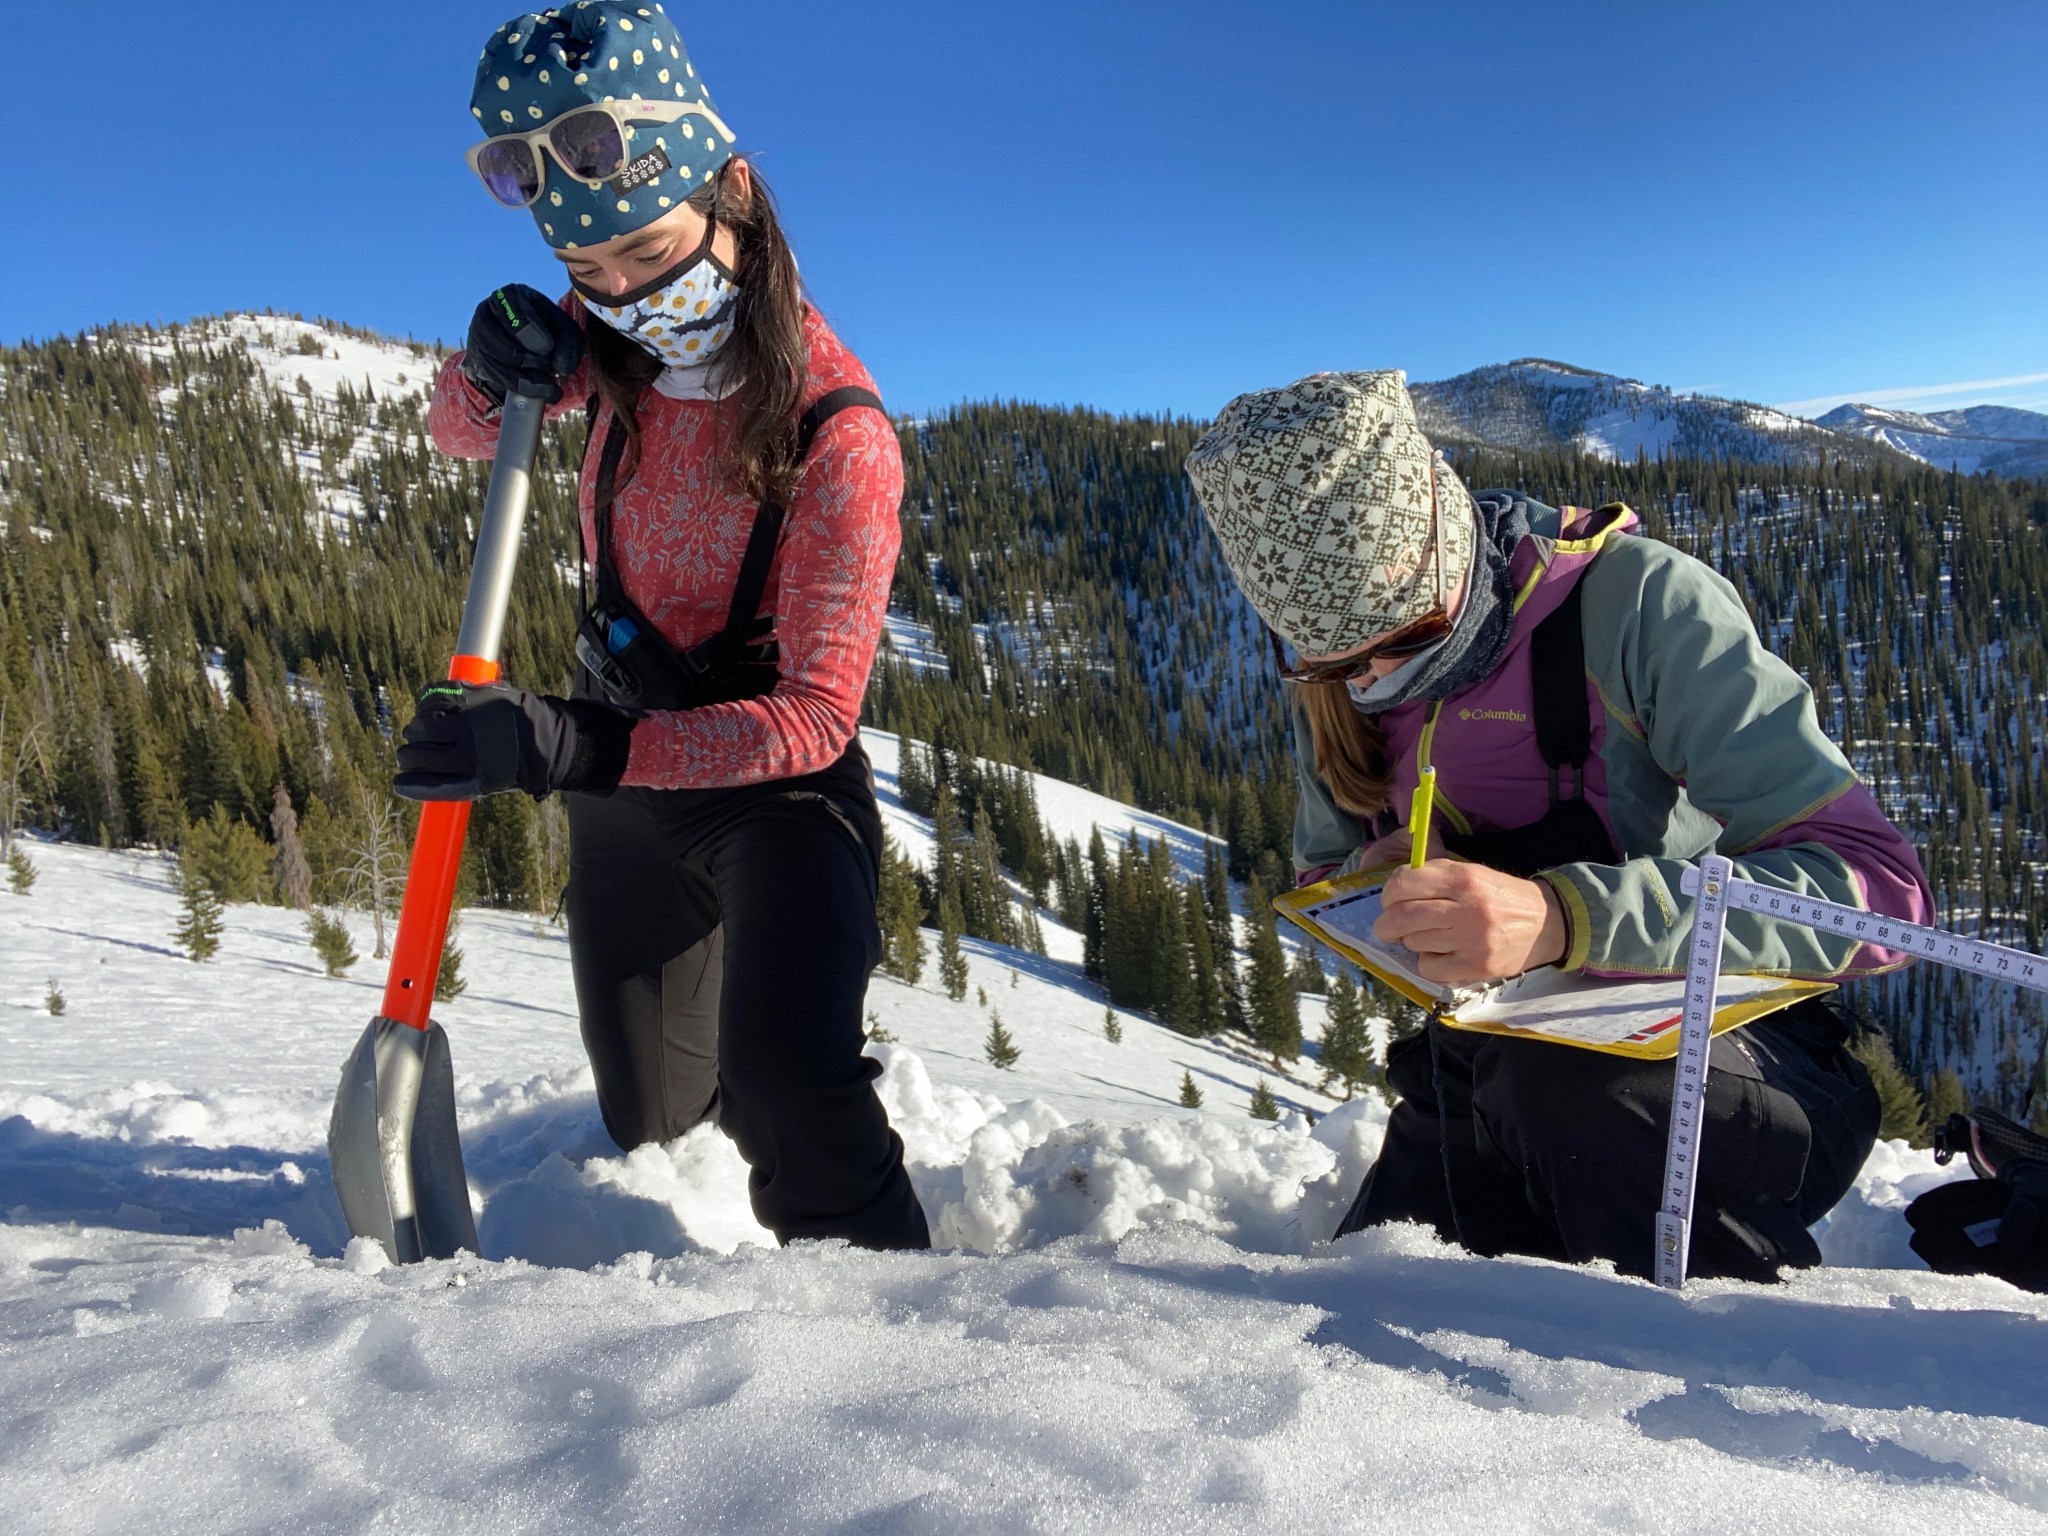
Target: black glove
521, 343
467, 740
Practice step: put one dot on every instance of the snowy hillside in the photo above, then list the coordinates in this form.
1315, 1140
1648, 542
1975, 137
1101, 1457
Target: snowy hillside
304, 357
2000, 438
1132, 1326
1536, 404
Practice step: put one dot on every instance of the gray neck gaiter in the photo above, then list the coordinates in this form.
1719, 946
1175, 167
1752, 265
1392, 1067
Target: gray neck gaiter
1473, 648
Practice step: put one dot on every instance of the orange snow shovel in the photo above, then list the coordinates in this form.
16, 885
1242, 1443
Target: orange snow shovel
392, 1141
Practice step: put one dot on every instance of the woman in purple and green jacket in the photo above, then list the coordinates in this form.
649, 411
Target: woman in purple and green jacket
1600, 713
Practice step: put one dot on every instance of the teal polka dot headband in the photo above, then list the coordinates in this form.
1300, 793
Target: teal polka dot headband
597, 120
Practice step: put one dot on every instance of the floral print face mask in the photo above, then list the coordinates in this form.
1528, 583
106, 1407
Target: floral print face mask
685, 316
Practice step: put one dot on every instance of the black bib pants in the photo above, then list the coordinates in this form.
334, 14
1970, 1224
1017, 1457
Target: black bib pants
1526, 1146
722, 941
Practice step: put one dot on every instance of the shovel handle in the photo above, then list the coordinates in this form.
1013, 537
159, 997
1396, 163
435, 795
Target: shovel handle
444, 824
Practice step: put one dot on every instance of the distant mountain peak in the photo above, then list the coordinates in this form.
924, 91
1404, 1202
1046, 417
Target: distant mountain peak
1539, 403
2002, 439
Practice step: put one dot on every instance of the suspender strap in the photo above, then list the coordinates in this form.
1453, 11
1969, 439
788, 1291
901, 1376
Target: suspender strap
607, 482
752, 585
1557, 673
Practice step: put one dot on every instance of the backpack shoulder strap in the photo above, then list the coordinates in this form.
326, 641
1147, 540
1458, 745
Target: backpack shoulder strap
1557, 673
601, 502
767, 531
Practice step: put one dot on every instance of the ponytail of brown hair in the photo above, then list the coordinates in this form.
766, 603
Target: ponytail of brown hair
1350, 750
765, 353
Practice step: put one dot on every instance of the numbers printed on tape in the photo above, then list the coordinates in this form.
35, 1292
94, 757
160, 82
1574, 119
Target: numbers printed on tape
1973, 955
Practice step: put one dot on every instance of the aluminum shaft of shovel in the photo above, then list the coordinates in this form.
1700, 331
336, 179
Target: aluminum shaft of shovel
392, 1140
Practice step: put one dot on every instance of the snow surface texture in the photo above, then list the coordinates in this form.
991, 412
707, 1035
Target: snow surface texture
1132, 1328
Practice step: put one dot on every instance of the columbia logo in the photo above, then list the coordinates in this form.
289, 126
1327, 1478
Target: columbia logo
1494, 714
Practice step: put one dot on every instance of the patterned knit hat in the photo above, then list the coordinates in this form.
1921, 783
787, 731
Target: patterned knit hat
545, 63
1320, 496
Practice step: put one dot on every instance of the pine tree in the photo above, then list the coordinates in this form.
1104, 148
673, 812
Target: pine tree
448, 982
900, 911
1945, 1097
292, 875
1264, 1105
1093, 964
999, 1048
331, 941
1347, 1043
1307, 972
228, 855
53, 999
1222, 934
952, 961
21, 871
1112, 1027
1206, 1016
913, 778
1270, 1000
1902, 1112
1190, 1094
202, 916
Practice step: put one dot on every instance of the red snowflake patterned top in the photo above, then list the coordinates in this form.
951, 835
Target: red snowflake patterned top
678, 531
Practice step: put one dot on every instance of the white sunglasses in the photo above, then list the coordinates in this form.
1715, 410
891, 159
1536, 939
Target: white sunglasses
589, 143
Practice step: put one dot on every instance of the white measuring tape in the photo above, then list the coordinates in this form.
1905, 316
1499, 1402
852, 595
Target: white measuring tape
1718, 892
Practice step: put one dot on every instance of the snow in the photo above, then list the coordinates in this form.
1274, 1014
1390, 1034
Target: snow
292, 352
1131, 1324
1067, 810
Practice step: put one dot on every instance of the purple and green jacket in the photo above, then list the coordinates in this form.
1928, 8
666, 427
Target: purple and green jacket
1703, 741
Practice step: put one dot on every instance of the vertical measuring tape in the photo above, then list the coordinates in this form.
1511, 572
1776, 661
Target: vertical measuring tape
1716, 890
1689, 1086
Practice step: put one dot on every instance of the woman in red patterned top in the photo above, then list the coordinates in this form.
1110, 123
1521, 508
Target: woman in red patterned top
724, 838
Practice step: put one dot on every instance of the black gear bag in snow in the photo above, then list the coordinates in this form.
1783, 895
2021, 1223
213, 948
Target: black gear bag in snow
1996, 1223
627, 661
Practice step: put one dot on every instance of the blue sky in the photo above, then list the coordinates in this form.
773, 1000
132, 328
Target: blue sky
1129, 205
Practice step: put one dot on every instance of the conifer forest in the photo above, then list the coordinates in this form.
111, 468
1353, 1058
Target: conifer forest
212, 586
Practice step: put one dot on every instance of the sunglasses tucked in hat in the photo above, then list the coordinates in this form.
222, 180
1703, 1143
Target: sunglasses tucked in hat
1320, 494
539, 67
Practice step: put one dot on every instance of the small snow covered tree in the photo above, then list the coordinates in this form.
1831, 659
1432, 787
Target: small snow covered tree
21, 872
1264, 1105
1190, 1094
331, 941
1347, 1044
201, 915
1112, 1027
54, 999
1000, 1049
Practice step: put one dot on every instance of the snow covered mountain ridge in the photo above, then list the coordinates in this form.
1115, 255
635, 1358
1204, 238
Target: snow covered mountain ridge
1530, 403
2002, 439
1534, 403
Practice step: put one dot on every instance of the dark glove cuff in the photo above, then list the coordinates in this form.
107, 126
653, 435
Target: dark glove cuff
604, 739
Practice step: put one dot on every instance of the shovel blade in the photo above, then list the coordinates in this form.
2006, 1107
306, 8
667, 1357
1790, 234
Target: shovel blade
394, 1147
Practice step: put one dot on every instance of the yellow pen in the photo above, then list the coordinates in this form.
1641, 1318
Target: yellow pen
1419, 810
